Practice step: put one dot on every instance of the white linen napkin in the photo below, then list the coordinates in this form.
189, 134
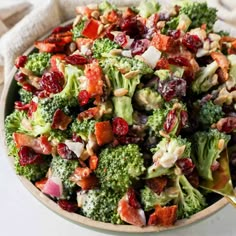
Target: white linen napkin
49, 13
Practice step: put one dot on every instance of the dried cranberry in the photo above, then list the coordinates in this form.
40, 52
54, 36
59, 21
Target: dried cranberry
61, 29
28, 87
188, 75
60, 120
28, 156
215, 166
76, 60
193, 178
68, 205
65, 152
186, 165
174, 33
184, 118
121, 39
76, 138
157, 184
172, 88
21, 106
132, 199
120, 126
20, 61
52, 82
179, 61
124, 140
138, 47
171, 121
42, 94
192, 42
83, 97
20, 77
32, 108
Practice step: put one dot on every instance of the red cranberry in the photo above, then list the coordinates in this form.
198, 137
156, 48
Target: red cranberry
61, 29
179, 61
20, 77
28, 87
76, 138
193, 178
20, 61
124, 140
68, 205
21, 106
119, 126
76, 59
171, 121
184, 118
186, 165
65, 152
138, 47
174, 33
132, 199
121, 39
83, 97
192, 42
28, 156
52, 82
32, 108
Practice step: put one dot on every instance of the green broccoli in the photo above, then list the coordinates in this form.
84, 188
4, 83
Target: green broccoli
205, 78
207, 147
182, 22
123, 108
38, 62
118, 167
210, 113
148, 99
101, 205
83, 128
102, 47
33, 172
198, 12
150, 199
77, 29
25, 96
190, 200
58, 136
166, 153
148, 7
106, 6
63, 169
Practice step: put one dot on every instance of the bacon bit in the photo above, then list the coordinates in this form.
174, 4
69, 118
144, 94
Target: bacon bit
103, 132
93, 162
60, 120
165, 216
226, 125
40, 184
83, 172
163, 64
53, 61
132, 199
162, 42
88, 114
128, 13
112, 16
90, 182
157, 184
222, 62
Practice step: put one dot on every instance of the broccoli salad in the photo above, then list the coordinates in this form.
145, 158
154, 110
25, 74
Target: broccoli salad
121, 114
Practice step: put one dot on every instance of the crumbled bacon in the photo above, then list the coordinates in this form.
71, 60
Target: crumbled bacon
60, 120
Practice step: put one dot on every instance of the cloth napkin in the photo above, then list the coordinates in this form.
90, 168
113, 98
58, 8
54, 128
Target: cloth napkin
19, 34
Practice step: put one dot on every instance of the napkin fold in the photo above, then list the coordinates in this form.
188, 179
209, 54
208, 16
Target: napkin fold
45, 15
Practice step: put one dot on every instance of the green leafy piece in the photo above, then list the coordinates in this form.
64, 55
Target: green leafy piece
25, 96
181, 22
102, 47
148, 7
150, 199
83, 128
101, 205
207, 147
63, 169
106, 6
118, 167
38, 62
77, 29
190, 200
205, 78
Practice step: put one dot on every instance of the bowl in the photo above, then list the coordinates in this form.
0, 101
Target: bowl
7, 103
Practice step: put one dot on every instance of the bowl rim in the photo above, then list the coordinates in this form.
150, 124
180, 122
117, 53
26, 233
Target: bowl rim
77, 218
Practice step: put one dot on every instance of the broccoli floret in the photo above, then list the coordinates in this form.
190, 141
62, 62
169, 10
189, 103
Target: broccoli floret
38, 62
83, 128
118, 167
231, 82
59, 136
101, 205
63, 169
106, 6
150, 199
33, 172
148, 99
205, 78
148, 7
190, 200
182, 22
199, 13
210, 113
103, 46
25, 96
77, 29
207, 147
123, 108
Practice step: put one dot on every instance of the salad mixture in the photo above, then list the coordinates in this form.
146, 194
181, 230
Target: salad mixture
121, 114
